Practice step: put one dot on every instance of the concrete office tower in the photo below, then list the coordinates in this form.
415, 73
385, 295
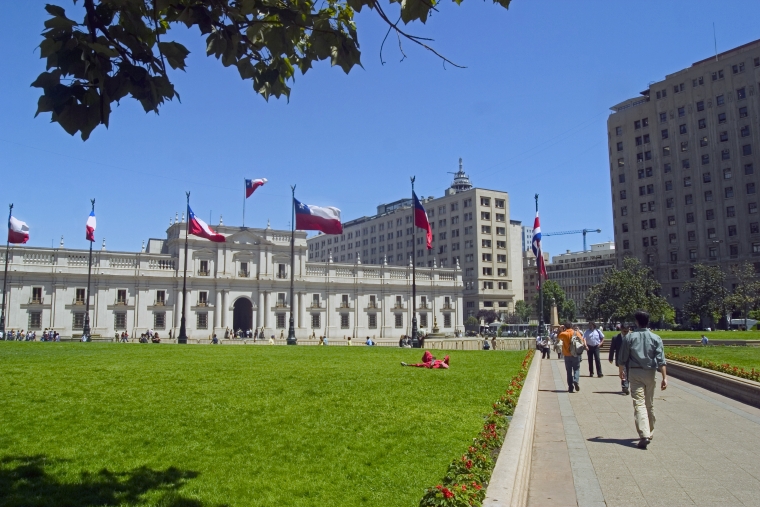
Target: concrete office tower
577, 272
683, 169
471, 229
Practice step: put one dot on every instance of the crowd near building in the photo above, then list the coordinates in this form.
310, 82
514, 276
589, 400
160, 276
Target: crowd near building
472, 233
683, 169
240, 284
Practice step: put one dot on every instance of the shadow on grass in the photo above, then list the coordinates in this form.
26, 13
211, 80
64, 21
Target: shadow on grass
625, 442
25, 482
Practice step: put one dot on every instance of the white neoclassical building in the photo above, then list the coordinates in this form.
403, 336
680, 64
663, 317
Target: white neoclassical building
240, 284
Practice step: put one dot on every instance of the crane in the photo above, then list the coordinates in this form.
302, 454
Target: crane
579, 231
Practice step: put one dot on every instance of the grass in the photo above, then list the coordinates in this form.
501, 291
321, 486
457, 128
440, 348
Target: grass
743, 357
112, 424
712, 335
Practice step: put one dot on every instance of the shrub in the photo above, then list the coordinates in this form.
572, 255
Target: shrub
752, 374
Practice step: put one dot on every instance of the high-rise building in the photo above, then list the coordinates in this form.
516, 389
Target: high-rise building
471, 230
527, 238
577, 272
682, 169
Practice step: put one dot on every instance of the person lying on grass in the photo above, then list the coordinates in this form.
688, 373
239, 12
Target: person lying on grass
428, 361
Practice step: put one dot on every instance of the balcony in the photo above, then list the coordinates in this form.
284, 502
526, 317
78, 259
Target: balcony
78, 301
121, 302
423, 306
345, 304
399, 306
244, 273
282, 276
202, 303
373, 305
315, 305
36, 301
448, 306
202, 272
280, 304
159, 303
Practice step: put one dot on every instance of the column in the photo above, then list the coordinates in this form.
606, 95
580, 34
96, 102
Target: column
223, 310
267, 323
294, 309
218, 310
260, 310
301, 311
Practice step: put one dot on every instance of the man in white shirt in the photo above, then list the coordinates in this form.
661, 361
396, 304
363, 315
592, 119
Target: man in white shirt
594, 340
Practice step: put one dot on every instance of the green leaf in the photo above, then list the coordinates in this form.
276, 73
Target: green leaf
246, 68
103, 50
47, 79
175, 53
412, 10
55, 10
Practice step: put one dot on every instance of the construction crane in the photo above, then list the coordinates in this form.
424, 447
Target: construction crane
580, 231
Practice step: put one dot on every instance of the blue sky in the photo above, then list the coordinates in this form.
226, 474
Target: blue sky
527, 115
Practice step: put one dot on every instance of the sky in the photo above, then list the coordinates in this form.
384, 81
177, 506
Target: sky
527, 115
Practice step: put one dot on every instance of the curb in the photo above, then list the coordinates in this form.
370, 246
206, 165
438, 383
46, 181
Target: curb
737, 388
509, 482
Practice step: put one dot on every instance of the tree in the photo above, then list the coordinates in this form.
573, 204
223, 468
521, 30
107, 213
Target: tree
487, 316
746, 295
122, 48
522, 311
707, 294
565, 307
471, 323
622, 292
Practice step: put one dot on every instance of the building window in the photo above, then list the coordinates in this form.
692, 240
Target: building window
754, 228
620, 146
720, 100
688, 199
159, 320
736, 69
344, 321
706, 177
676, 293
730, 211
748, 169
711, 233
203, 298
745, 131
743, 112
626, 244
684, 146
672, 238
645, 241
488, 271
703, 141
399, 320
725, 154
701, 105
622, 195
752, 208
316, 321
666, 167
747, 149
671, 220
674, 274
79, 296
664, 133
621, 162
732, 230
280, 320
681, 112
733, 251
423, 320
721, 118
710, 214
692, 255
78, 322
685, 163
702, 123
712, 252
705, 159
691, 235
120, 320
621, 178
623, 211
687, 181
708, 196
663, 116
485, 229
690, 218
665, 152
717, 75
35, 320
160, 298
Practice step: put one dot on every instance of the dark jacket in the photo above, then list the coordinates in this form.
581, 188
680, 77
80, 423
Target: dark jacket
615, 348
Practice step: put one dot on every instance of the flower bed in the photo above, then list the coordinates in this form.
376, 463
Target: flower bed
751, 374
467, 476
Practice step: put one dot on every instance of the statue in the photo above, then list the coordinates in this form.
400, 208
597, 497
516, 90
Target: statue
435, 325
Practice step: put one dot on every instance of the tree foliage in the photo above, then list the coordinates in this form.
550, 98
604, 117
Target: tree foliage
565, 307
624, 291
707, 294
522, 311
746, 294
123, 48
487, 315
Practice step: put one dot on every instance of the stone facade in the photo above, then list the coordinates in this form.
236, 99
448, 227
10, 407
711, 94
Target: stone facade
684, 169
241, 284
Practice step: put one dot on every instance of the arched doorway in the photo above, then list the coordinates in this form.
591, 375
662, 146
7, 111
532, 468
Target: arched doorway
242, 314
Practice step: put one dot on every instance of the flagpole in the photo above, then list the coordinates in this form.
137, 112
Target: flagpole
415, 337
182, 338
245, 198
292, 326
86, 329
540, 287
5, 276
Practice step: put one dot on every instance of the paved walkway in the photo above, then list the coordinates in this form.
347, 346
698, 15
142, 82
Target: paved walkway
706, 450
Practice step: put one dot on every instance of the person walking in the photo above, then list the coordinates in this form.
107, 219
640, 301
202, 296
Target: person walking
572, 361
617, 340
594, 340
641, 351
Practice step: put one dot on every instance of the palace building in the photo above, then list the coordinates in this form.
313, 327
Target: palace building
243, 283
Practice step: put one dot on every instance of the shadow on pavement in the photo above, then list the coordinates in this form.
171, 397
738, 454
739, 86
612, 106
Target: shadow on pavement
619, 393
625, 442
25, 482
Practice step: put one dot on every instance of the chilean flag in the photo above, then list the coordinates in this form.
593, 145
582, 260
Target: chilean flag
18, 231
537, 248
421, 220
91, 226
198, 227
315, 218
251, 185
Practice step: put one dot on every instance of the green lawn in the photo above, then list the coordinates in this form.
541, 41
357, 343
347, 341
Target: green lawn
128, 424
743, 357
712, 335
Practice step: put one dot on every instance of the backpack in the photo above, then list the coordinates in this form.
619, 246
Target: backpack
576, 345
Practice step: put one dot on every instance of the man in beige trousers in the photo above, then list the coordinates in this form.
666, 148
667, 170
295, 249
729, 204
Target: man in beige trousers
641, 350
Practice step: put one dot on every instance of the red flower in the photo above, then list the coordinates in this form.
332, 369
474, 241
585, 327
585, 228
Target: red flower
447, 493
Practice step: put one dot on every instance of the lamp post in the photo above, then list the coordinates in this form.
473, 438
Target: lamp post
292, 326
415, 336
182, 338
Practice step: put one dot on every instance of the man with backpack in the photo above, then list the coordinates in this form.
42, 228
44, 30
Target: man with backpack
573, 346
641, 351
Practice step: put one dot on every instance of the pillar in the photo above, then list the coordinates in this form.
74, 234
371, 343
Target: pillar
267, 323
225, 304
301, 311
260, 310
218, 310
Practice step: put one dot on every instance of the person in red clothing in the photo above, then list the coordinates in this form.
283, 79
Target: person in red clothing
428, 361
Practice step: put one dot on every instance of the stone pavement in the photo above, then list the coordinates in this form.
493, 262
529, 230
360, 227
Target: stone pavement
706, 450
